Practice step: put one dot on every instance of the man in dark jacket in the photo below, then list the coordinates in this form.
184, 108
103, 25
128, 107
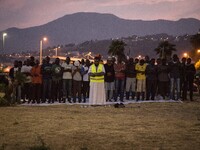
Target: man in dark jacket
56, 81
163, 79
174, 72
109, 79
46, 70
189, 73
151, 79
13, 70
130, 79
182, 75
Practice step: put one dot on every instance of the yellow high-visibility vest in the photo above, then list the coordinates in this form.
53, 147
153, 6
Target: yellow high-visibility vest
94, 70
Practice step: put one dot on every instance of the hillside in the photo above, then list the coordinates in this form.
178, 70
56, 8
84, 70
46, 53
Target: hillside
80, 27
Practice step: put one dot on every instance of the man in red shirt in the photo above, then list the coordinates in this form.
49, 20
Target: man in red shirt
36, 81
119, 79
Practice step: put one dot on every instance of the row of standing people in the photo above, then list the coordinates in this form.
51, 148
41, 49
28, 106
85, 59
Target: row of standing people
142, 79
136, 79
51, 82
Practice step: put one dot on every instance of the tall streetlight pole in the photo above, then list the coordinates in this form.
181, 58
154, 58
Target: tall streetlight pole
56, 49
41, 42
3, 44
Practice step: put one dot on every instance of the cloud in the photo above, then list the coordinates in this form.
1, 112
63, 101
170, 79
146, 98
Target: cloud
157, 9
131, 2
12, 4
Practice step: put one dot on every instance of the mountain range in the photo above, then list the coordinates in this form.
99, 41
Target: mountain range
80, 27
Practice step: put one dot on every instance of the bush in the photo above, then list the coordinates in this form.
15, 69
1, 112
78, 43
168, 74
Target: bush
2, 87
4, 102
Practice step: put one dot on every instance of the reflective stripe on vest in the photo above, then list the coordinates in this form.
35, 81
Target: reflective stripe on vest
97, 78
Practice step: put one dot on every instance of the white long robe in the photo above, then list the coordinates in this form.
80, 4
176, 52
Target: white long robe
97, 92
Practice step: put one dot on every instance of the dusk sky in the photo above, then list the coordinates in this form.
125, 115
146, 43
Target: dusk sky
28, 13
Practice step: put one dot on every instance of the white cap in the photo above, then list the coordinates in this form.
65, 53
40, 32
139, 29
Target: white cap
77, 63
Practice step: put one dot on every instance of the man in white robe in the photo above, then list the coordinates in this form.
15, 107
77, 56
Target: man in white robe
97, 88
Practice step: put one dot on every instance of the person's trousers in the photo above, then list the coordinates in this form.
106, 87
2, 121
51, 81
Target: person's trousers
151, 86
56, 90
36, 92
109, 89
76, 90
86, 89
163, 88
46, 89
174, 86
26, 91
67, 88
130, 84
188, 85
119, 89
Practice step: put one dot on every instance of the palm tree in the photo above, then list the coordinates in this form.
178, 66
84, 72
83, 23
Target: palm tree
195, 41
165, 50
117, 48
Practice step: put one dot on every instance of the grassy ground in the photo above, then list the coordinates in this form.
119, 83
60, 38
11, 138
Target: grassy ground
154, 126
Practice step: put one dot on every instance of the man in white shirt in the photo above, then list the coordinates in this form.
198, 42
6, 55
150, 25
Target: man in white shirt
67, 79
76, 82
86, 82
26, 89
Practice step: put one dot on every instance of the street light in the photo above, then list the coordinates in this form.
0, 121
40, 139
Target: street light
56, 49
185, 55
41, 42
3, 44
198, 51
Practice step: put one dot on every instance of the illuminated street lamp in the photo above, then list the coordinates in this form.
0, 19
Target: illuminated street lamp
41, 42
56, 49
198, 51
3, 44
185, 55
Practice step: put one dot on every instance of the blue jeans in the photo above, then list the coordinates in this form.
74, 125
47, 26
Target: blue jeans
119, 89
174, 84
46, 90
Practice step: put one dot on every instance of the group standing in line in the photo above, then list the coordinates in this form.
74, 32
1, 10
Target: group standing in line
134, 79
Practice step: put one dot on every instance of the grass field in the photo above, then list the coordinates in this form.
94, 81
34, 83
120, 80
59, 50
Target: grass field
154, 126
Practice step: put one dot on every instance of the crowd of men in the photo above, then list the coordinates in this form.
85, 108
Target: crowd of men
134, 79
